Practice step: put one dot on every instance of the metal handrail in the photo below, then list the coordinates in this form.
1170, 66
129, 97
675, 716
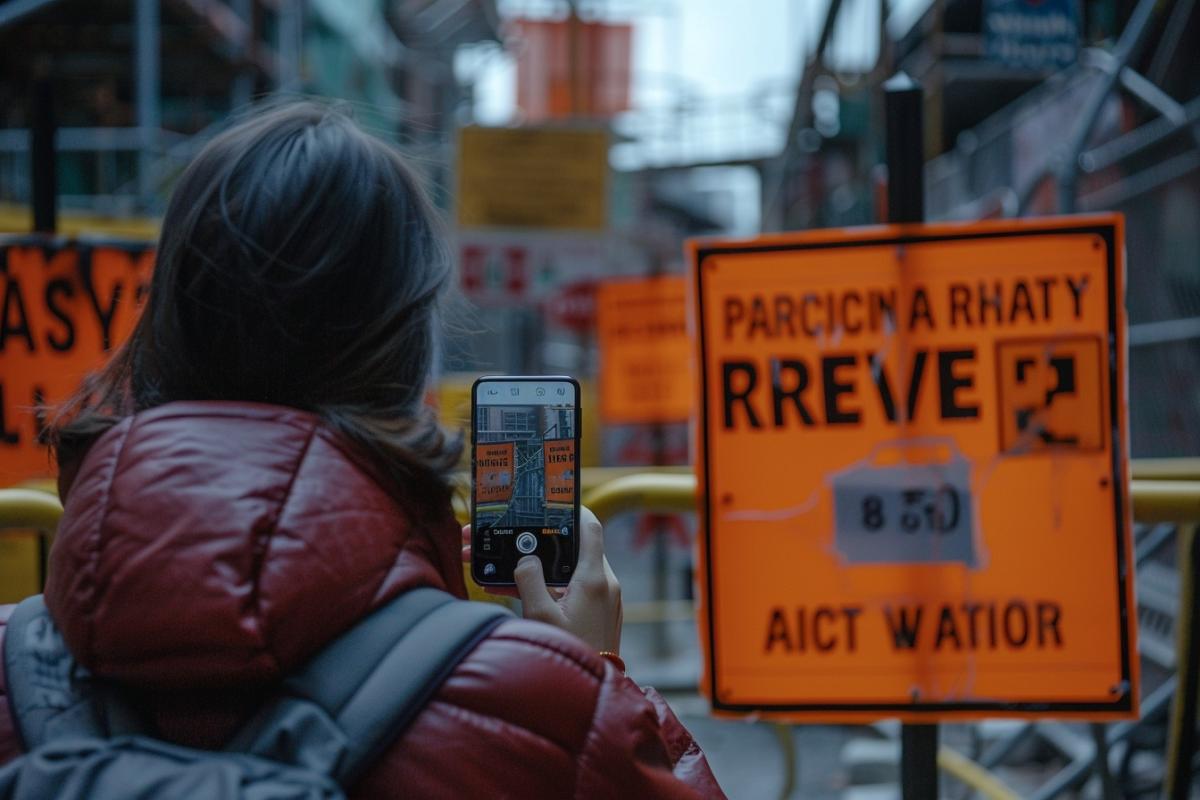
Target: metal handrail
1166, 469
1161, 492
29, 509
973, 775
1153, 500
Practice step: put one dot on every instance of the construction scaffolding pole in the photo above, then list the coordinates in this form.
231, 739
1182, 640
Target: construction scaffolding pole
147, 82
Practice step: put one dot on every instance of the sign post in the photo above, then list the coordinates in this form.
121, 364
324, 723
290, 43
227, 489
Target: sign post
905, 151
43, 155
912, 448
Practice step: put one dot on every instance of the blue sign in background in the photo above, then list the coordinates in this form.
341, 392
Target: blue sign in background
1034, 34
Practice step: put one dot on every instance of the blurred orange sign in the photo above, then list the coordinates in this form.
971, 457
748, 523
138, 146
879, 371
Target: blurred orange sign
65, 305
645, 352
914, 465
559, 461
570, 68
494, 472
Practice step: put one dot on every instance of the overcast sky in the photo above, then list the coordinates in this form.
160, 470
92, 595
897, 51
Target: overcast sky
712, 79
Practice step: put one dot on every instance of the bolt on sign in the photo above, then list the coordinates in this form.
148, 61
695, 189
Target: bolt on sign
533, 178
913, 454
66, 305
645, 352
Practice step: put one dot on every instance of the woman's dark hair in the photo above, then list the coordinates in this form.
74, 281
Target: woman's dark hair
299, 264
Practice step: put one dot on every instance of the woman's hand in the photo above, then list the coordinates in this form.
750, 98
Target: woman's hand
590, 607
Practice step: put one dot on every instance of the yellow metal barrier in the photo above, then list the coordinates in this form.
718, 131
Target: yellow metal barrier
29, 509
1166, 501
1165, 469
645, 491
973, 775
1153, 500
28, 519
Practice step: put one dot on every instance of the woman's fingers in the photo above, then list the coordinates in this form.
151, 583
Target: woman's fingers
536, 600
502, 591
591, 544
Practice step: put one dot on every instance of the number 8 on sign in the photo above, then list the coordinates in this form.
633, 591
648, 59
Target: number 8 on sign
909, 502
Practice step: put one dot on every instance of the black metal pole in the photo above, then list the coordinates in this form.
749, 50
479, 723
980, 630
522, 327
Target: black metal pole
918, 762
1183, 743
904, 112
903, 104
43, 157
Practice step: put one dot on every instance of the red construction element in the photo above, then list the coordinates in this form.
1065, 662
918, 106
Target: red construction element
574, 307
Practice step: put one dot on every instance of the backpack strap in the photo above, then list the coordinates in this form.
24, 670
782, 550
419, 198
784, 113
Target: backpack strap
358, 695
50, 694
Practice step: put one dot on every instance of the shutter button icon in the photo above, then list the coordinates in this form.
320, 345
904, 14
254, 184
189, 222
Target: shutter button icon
526, 542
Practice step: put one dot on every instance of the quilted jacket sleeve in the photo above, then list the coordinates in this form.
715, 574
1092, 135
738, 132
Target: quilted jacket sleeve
533, 712
634, 736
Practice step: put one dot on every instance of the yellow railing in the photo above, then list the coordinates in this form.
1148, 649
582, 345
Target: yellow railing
1153, 500
29, 509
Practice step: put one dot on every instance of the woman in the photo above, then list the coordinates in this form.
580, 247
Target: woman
255, 471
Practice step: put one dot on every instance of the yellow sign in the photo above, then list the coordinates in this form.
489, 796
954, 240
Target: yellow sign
533, 178
645, 352
913, 447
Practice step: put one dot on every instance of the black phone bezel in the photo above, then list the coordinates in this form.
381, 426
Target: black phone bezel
550, 580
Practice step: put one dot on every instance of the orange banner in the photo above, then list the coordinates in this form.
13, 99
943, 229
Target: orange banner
559, 455
495, 472
913, 452
66, 305
571, 69
645, 353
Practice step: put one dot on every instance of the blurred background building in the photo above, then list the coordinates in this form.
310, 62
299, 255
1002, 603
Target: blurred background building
1064, 105
139, 85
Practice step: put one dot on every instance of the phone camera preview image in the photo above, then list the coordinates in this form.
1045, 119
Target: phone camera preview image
525, 479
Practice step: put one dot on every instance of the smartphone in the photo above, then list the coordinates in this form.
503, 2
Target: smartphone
524, 476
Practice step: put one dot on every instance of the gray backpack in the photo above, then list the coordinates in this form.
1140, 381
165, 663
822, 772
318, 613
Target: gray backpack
312, 739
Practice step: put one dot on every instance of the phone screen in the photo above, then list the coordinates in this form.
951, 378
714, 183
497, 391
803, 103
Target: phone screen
525, 477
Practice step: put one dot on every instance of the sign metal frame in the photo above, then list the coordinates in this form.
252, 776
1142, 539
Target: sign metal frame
1104, 226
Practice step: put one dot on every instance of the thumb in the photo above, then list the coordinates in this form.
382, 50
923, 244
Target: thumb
535, 597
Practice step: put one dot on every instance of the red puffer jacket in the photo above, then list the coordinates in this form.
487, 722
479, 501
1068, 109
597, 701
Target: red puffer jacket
208, 549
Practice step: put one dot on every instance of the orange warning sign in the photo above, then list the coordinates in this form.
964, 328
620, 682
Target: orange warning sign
64, 305
559, 460
494, 472
913, 453
645, 353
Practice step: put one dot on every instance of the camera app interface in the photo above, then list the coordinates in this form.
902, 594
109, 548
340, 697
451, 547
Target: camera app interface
525, 477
